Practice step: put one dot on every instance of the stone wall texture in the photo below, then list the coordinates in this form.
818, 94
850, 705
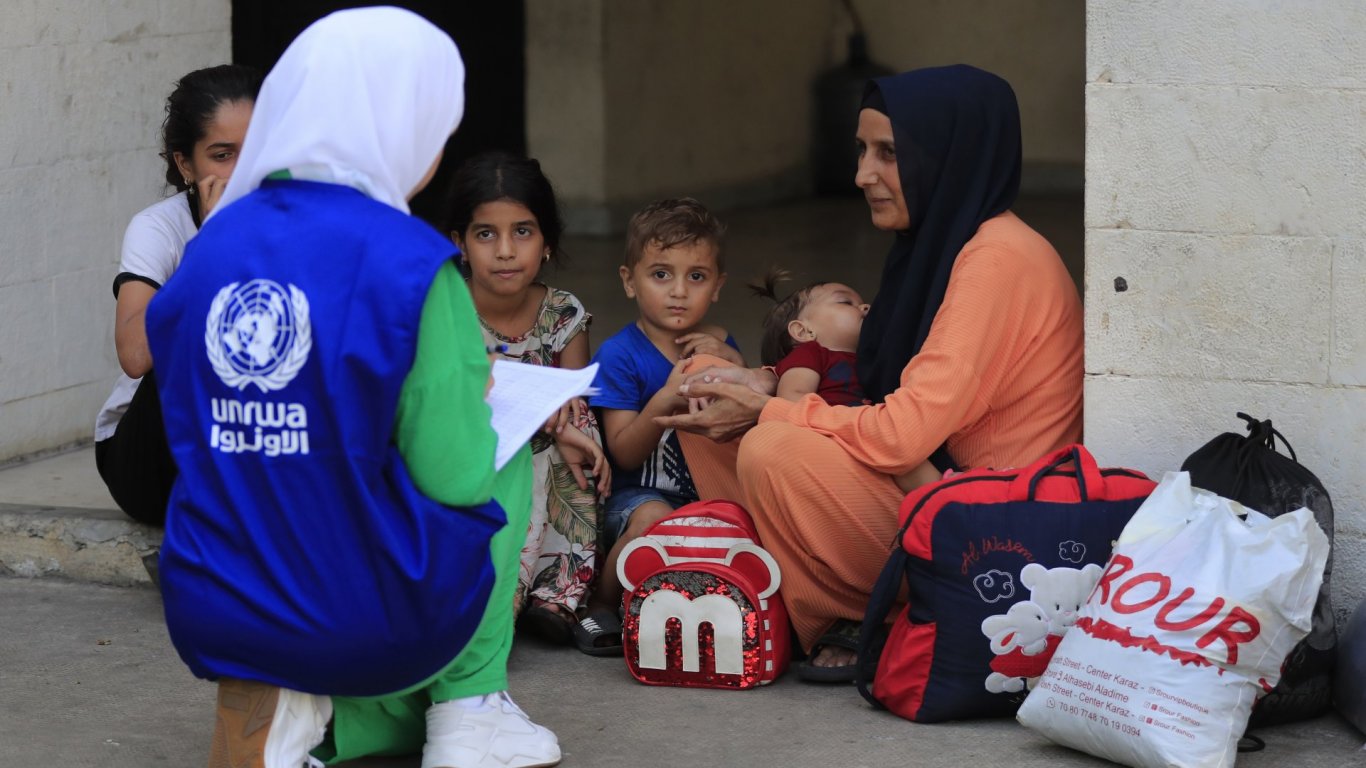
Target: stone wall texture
83, 85
1226, 185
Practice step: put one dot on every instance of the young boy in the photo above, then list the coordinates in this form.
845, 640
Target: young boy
674, 272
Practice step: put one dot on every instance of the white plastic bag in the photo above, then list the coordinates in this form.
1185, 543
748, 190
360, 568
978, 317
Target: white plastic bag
1190, 623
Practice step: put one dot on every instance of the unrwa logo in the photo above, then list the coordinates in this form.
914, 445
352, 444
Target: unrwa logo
257, 333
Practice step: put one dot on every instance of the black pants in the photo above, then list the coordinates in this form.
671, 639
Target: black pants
136, 462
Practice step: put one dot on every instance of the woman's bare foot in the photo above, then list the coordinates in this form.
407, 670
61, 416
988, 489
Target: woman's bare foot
834, 656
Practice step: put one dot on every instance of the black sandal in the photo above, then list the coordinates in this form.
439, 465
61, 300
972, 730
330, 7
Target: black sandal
844, 633
599, 634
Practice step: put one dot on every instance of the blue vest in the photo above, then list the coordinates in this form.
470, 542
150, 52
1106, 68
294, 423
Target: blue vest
297, 549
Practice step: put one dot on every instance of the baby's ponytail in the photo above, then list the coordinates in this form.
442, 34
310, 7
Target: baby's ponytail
777, 342
767, 286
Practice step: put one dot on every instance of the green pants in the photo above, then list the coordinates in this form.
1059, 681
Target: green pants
396, 724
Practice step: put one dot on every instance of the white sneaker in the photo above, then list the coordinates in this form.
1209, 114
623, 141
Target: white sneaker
300, 724
486, 732
262, 726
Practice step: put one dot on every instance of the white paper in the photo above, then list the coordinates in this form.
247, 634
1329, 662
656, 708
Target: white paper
524, 396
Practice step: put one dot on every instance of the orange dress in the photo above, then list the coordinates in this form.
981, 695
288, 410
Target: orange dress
999, 378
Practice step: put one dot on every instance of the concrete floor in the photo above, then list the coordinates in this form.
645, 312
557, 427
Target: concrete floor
88, 679
64, 480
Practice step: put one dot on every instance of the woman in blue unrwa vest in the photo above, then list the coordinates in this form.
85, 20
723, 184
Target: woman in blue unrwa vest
339, 547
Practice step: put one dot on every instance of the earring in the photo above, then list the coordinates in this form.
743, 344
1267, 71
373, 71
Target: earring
190, 187
546, 258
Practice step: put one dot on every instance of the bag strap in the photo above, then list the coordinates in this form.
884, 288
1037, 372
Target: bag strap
1090, 482
870, 635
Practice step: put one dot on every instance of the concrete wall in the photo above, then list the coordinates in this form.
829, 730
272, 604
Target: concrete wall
1226, 183
631, 101
566, 100
82, 89
712, 95
1039, 46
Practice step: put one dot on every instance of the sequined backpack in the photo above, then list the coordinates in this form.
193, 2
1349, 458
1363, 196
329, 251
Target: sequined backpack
702, 603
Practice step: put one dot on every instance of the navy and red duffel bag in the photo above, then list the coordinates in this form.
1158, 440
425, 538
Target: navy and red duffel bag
996, 566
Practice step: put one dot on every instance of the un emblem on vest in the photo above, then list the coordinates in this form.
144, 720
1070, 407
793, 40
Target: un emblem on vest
258, 333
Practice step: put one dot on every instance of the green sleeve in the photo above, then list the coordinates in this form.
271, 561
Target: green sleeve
442, 425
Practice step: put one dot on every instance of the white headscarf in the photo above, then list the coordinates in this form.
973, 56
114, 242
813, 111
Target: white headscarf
365, 97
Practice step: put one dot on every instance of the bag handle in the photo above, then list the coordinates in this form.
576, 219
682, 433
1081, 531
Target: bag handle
719, 509
870, 635
1090, 482
1261, 432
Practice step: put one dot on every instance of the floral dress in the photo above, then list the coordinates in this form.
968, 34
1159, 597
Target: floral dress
560, 556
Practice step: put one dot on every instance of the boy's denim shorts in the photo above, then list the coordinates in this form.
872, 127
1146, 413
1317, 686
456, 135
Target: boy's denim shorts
625, 501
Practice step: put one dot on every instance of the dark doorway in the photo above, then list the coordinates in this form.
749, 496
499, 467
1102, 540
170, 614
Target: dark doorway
492, 41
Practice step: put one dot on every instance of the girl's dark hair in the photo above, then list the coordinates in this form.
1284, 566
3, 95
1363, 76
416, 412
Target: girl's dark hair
192, 105
492, 176
777, 342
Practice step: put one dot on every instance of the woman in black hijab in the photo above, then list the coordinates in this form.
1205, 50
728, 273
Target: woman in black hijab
957, 168
971, 354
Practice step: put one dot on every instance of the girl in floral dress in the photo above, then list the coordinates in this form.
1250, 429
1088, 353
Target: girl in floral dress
505, 220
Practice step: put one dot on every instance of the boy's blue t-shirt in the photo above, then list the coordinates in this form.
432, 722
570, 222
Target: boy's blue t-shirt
630, 371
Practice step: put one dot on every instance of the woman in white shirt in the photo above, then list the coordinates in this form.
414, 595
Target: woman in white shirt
206, 121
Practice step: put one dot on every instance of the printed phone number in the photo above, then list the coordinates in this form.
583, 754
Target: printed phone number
1086, 714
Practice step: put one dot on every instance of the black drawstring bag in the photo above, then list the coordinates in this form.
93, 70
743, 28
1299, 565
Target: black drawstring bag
1248, 470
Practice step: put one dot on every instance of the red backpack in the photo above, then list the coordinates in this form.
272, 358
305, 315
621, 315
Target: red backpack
702, 604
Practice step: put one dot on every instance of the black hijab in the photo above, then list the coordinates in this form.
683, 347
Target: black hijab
957, 135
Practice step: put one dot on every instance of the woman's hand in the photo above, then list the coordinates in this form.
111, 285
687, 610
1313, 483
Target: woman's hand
578, 412
735, 397
580, 451
210, 192
761, 380
706, 344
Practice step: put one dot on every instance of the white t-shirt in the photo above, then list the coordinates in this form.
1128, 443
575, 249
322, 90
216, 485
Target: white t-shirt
152, 246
